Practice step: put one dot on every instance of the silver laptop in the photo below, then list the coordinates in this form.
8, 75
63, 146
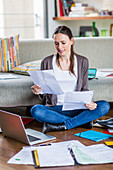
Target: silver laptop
13, 127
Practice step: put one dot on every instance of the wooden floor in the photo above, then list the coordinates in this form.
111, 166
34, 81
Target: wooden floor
9, 148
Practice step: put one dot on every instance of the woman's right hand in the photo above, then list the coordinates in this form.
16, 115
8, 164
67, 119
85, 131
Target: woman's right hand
36, 89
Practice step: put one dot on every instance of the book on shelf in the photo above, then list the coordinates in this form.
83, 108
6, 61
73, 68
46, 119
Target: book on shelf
61, 8
58, 8
55, 5
82, 8
92, 14
67, 6
83, 14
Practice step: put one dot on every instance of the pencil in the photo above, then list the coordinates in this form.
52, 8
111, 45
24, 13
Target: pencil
36, 158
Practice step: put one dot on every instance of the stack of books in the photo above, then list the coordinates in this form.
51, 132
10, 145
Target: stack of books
82, 10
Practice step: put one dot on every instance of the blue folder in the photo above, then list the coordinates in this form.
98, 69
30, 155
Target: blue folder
93, 135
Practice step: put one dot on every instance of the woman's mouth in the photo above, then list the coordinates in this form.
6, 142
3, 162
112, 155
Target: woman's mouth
60, 51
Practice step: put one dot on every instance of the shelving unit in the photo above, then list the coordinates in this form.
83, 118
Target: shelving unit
102, 22
66, 18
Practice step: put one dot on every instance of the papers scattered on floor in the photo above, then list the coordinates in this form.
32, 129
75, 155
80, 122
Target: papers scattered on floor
94, 154
65, 154
56, 154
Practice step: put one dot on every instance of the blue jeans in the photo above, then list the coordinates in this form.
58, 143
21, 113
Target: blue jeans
72, 118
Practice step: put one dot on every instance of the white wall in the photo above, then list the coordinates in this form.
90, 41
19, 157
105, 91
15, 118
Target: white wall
1, 19
74, 25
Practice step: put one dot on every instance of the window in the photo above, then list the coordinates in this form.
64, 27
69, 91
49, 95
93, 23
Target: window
24, 17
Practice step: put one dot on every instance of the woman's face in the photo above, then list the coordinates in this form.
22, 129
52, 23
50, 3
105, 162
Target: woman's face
63, 44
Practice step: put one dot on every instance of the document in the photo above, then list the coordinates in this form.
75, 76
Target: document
47, 81
94, 154
8, 76
108, 72
77, 100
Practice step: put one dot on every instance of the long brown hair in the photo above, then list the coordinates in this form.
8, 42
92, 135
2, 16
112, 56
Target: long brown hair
65, 30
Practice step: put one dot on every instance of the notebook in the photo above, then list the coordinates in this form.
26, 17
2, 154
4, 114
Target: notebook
13, 127
93, 135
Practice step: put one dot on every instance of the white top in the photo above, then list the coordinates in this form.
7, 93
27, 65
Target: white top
66, 80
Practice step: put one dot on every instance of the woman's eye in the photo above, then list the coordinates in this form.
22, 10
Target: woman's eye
63, 43
56, 43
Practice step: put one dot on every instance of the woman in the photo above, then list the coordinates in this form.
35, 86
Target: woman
73, 70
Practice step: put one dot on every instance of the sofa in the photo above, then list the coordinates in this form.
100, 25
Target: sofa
98, 50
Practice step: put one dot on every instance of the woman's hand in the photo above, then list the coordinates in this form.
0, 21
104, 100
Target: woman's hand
36, 89
91, 106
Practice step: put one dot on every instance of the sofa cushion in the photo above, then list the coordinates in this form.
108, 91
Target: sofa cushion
31, 66
9, 53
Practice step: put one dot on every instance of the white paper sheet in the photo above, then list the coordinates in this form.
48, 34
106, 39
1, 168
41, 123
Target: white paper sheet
104, 72
77, 100
94, 154
47, 81
23, 157
110, 130
8, 76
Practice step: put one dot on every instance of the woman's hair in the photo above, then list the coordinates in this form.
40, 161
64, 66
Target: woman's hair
65, 30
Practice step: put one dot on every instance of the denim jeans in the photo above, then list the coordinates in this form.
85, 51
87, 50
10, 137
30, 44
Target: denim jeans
72, 118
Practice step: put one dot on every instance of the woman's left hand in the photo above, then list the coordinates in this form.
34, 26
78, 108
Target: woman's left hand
91, 106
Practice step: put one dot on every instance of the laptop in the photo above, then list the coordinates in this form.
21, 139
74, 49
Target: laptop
13, 127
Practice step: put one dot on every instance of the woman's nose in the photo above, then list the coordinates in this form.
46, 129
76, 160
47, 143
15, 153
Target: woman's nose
59, 46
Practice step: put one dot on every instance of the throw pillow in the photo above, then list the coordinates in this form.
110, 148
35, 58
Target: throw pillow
31, 66
9, 53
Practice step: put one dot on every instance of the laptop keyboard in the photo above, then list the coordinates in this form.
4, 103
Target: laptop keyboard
32, 138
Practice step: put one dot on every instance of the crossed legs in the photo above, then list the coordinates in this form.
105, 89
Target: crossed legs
72, 118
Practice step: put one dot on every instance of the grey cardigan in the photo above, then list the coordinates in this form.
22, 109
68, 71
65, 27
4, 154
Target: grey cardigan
82, 81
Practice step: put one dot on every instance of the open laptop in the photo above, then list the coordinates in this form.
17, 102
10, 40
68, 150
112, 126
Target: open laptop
13, 127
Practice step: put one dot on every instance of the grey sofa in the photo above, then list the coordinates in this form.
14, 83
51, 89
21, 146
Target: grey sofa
99, 51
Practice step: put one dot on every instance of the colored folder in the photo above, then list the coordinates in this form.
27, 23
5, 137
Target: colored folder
93, 135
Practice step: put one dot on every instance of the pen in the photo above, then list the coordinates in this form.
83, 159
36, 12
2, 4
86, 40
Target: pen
36, 158
46, 144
